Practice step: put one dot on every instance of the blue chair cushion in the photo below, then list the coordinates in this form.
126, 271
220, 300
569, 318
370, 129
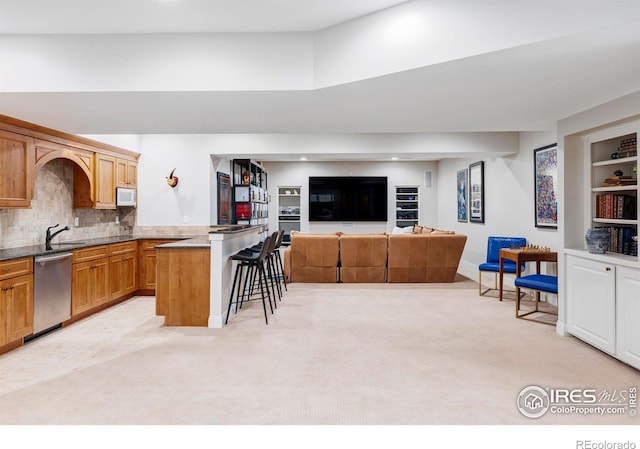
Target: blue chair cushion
495, 244
509, 266
542, 282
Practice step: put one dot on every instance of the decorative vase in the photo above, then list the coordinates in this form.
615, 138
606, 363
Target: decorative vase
597, 241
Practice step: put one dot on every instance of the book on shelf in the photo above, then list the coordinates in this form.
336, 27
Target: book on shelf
619, 181
621, 241
616, 206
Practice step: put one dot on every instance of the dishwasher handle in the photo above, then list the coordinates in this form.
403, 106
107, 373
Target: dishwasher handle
44, 259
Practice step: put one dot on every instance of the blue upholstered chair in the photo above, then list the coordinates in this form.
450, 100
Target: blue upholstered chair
540, 283
492, 265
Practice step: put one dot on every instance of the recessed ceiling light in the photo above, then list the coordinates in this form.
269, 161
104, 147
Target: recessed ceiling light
394, 158
303, 158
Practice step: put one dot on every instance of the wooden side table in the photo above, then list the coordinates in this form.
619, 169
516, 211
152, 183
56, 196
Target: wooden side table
520, 256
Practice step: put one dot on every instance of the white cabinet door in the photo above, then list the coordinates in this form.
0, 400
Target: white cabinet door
591, 302
628, 315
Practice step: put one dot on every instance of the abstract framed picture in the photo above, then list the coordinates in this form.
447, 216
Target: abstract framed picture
462, 177
545, 164
476, 192
224, 198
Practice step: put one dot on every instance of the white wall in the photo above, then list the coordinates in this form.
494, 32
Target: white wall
397, 173
509, 201
156, 62
189, 203
131, 142
410, 35
193, 201
419, 33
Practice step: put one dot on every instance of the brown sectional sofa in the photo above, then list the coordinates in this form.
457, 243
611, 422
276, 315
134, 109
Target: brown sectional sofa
423, 257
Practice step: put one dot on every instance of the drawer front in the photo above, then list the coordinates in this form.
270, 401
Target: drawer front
91, 253
147, 245
16, 267
122, 248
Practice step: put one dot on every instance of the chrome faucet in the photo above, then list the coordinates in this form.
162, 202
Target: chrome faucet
50, 236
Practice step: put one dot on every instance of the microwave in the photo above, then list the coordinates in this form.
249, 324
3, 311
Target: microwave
125, 197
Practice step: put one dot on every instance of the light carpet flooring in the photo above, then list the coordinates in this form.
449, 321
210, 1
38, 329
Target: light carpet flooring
331, 354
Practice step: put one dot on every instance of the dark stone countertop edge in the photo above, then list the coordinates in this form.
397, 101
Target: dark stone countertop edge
62, 247
232, 229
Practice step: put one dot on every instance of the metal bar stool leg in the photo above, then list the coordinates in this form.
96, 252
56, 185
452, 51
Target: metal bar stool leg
264, 282
281, 267
235, 279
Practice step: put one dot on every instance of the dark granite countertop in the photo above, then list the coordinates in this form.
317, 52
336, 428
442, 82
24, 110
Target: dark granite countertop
60, 247
196, 242
193, 241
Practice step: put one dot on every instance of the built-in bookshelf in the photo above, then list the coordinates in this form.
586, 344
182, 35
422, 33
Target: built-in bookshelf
614, 191
407, 206
250, 195
288, 210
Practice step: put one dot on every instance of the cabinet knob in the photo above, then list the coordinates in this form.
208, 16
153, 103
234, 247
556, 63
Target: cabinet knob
608, 269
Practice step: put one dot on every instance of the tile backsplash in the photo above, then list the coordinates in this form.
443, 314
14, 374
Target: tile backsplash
53, 204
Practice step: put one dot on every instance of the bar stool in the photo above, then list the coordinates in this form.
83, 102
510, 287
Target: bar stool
280, 266
274, 263
254, 262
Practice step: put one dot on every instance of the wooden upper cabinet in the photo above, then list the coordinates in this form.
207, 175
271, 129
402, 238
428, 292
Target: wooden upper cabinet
16, 170
105, 182
98, 167
126, 173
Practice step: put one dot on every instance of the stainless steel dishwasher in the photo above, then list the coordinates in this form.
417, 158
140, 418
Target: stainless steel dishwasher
52, 291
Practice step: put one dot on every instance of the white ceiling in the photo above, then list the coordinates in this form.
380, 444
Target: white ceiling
180, 16
588, 59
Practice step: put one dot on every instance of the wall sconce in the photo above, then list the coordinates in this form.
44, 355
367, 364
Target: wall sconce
172, 180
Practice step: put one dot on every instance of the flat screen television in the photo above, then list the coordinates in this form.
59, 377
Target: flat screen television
347, 198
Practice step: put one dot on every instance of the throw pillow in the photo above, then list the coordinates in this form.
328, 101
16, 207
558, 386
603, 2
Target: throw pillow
398, 230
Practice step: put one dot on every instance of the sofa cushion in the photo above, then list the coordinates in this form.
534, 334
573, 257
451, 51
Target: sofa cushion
542, 282
314, 257
363, 258
440, 231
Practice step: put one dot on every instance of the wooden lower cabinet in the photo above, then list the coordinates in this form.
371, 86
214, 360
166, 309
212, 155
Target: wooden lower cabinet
16, 300
122, 273
182, 296
90, 285
148, 263
103, 274
16, 308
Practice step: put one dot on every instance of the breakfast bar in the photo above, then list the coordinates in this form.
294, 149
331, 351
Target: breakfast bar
194, 276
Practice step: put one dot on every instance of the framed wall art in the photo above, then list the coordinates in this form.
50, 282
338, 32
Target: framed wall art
224, 199
462, 177
476, 192
545, 164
